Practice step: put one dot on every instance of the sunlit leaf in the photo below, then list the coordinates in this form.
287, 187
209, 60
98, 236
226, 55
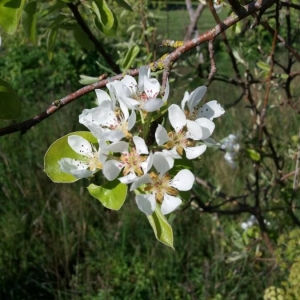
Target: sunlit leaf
10, 14
162, 229
10, 105
61, 149
264, 66
105, 20
254, 155
112, 195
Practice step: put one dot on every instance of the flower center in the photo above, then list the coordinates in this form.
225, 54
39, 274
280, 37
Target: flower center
160, 186
132, 162
178, 140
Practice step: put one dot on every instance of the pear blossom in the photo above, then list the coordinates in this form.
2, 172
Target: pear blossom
134, 163
184, 137
209, 110
161, 188
87, 165
141, 95
107, 121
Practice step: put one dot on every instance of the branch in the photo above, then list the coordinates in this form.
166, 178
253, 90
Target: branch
165, 63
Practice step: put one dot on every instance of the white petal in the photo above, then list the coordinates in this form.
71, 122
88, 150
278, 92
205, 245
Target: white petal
195, 97
106, 117
184, 180
161, 135
140, 145
86, 117
147, 164
186, 97
131, 177
194, 130
153, 104
177, 117
111, 169
129, 102
118, 147
124, 110
130, 82
162, 163
144, 71
146, 203
131, 120
141, 180
151, 87
207, 126
102, 96
211, 110
173, 153
169, 204
80, 145
193, 152
113, 135
74, 167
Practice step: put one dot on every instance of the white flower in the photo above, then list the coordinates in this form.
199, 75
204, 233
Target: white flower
186, 132
134, 163
87, 165
141, 95
209, 110
107, 121
231, 146
161, 188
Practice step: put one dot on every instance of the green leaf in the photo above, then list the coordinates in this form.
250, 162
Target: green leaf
10, 105
263, 66
124, 4
29, 19
10, 14
82, 39
254, 155
61, 149
107, 31
112, 195
51, 38
162, 229
130, 56
84, 79
105, 20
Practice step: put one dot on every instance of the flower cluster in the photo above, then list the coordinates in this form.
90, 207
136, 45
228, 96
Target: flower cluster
140, 148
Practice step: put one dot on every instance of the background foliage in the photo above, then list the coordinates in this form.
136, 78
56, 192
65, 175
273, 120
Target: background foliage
59, 243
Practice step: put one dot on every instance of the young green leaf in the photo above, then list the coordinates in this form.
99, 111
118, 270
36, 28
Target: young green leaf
10, 14
112, 195
61, 149
10, 105
162, 229
130, 56
51, 38
254, 155
105, 20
